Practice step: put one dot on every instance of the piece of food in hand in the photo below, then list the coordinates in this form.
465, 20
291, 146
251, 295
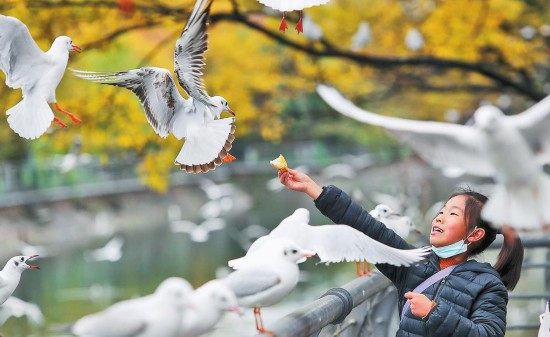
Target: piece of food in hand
279, 163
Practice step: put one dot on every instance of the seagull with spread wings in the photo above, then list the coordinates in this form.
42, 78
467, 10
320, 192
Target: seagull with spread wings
36, 73
510, 149
332, 243
208, 137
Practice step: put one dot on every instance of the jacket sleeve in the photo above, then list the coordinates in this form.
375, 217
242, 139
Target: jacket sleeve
487, 318
341, 209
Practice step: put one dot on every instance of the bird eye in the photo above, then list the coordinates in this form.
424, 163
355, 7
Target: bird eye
16, 263
285, 252
294, 251
22, 259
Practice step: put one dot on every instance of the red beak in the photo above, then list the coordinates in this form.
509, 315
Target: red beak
31, 266
77, 48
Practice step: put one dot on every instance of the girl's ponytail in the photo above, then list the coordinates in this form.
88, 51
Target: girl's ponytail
510, 259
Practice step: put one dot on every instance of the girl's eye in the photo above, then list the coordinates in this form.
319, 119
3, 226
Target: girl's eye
454, 214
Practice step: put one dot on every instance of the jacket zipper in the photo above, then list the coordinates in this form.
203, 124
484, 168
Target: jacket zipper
438, 290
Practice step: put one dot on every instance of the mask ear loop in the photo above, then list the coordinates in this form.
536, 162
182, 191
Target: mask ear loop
473, 231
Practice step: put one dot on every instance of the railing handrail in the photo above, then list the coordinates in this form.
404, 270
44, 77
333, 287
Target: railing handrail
325, 310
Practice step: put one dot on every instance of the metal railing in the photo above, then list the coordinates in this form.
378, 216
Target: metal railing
372, 294
374, 302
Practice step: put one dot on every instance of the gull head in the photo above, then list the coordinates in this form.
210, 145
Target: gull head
175, 290
221, 105
19, 263
487, 117
288, 250
220, 296
65, 42
381, 211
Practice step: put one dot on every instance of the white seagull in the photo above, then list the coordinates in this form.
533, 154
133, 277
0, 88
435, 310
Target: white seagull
332, 243
267, 277
112, 251
11, 274
402, 225
362, 37
292, 5
544, 329
158, 314
511, 149
15, 307
36, 73
197, 232
205, 307
208, 138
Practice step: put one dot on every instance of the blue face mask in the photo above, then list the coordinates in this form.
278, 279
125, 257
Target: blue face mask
452, 249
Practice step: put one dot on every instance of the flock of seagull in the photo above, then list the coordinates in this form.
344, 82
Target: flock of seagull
510, 149
262, 278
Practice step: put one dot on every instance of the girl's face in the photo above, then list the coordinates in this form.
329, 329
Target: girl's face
449, 226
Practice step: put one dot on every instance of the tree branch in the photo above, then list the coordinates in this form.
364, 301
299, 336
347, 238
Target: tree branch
525, 85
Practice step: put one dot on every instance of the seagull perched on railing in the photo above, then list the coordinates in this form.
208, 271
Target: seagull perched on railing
511, 149
402, 225
268, 276
11, 274
155, 315
36, 73
208, 137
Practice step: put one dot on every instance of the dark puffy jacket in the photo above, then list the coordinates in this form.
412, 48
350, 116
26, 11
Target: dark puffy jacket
471, 301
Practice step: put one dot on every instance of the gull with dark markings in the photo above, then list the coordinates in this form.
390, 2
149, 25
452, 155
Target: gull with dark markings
36, 73
11, 274
208, 137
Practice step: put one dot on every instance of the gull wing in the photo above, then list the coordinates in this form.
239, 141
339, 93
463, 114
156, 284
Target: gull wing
21, 59
111, 323
189, 52
247, 282
154, 87
339, 243
534, 124
443, 145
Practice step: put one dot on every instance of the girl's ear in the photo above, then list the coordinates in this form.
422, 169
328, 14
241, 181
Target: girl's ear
478, 234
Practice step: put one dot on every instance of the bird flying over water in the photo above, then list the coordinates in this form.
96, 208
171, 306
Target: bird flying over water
510, 149
208, 137
36, 73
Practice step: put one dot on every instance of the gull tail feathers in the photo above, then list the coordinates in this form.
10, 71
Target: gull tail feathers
31, 117
525, 208
206, 146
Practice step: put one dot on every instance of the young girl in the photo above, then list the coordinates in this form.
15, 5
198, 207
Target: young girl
471, 300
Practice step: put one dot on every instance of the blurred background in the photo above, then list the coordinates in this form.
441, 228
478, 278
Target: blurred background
111, 216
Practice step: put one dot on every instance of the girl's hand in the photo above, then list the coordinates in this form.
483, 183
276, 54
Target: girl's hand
298, 181
420, 304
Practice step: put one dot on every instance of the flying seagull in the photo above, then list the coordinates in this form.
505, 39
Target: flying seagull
208, 137
510, 149
332, 243
292, 5
36, 73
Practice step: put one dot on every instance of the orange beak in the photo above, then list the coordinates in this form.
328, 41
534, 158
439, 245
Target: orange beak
231, 111
77, 48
